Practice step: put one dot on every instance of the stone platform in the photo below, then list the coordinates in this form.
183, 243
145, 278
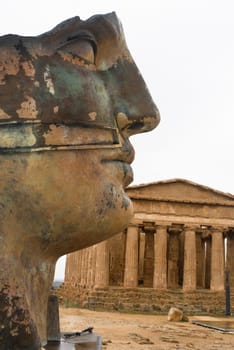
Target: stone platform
87, 341
141, 299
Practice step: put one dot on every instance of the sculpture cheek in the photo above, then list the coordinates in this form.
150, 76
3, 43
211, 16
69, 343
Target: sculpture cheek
4, 115
28, 108
79, 95
28, 68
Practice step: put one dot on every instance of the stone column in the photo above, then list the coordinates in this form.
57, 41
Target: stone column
53, 326
200, 245
131, 258
67, 278
141, 257
85, 267
82, 268
190, 260
102, 265
173, 257
89, 267
160, 258
208, 262
79, 253
230, 258
93, 266
87, 253
149, 255
217, 260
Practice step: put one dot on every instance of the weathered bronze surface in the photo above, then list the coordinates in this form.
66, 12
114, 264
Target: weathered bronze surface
69, 101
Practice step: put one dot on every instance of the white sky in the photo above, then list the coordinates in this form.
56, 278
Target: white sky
185, 52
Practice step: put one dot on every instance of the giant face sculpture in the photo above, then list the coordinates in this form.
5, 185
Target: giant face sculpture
69, 100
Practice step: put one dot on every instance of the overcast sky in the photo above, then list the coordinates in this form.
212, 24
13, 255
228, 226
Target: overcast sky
185, 52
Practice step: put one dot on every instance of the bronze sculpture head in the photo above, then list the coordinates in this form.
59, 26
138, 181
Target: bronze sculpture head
69, 101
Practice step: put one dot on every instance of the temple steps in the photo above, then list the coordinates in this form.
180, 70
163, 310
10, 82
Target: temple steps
142, 299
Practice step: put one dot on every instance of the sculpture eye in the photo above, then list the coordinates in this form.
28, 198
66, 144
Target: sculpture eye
81, 48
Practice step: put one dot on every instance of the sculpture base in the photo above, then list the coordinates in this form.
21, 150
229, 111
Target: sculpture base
85, 341
223, 326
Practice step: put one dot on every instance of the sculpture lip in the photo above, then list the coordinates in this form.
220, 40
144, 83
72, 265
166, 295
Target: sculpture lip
128, 175
125, 154
122, 160
124, 168
117, 160
127, 160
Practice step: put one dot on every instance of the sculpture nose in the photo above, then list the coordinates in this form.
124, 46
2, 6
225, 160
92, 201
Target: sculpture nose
137, 125
134, 108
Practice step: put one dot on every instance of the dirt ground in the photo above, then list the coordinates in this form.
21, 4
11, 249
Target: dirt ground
146, 332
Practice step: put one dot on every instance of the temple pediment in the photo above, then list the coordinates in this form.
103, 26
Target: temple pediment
180, 190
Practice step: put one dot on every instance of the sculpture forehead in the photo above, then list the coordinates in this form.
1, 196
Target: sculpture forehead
41, 79
103, 27
49, 80
106, 30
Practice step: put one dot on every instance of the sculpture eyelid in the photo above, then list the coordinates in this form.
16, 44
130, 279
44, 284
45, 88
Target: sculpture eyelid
83, 35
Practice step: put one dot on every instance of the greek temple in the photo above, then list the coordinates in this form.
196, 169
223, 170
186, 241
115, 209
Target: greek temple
181, 238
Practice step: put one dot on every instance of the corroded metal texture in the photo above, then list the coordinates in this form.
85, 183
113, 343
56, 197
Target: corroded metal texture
69, 101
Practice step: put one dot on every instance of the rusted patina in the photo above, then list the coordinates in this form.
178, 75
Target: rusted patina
69, 101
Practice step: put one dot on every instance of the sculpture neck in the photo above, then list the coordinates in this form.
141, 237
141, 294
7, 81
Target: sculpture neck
24, 290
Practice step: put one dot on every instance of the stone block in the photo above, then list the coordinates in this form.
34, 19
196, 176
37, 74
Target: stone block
176, 315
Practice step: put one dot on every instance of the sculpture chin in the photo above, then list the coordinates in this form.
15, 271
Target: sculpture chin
110, 215
127, 173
